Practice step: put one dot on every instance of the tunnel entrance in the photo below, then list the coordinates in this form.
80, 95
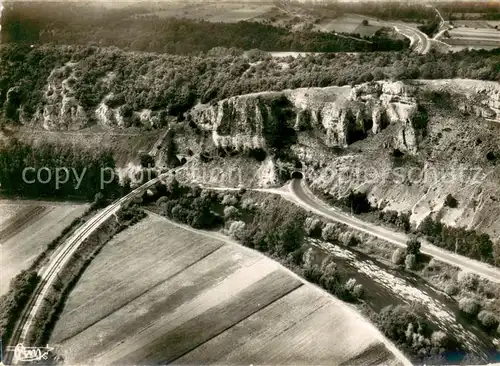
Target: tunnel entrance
297, 175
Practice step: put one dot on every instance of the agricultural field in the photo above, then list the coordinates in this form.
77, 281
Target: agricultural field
197, 298
227, 12
26, 227
477, 37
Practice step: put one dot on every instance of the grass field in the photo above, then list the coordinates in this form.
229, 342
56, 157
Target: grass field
227, 12
160, 293
473, 37
26, 229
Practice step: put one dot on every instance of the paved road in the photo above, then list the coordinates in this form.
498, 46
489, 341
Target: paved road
418, 38
306, 199
296, 192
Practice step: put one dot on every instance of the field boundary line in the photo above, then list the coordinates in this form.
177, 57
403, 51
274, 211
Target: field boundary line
159, 283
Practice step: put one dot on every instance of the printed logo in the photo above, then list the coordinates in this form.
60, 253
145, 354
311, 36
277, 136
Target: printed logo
30, 354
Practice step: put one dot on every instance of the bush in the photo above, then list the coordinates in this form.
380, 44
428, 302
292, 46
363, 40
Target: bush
439, 338
451, 289
161, 201
469, 306
410, 262
488, 319
349, 285
247, 204
329, 233
468, 281
313, 227
358, 291
237, 229
351, 240
398, 257
451, 201
230, 212
413, 247
230, 200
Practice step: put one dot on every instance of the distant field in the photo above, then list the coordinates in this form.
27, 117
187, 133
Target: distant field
343, 24
476, 23
480, 37
26, 229
366, 30
161, 293
214, 12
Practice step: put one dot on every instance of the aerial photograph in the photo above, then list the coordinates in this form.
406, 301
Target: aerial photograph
249, 182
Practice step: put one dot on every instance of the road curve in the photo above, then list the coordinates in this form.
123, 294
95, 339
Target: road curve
304, 197
422, 41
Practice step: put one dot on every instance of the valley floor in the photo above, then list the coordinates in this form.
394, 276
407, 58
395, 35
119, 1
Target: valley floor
27, 227
193, 297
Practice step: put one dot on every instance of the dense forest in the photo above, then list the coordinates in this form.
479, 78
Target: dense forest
37, 171
172, 84
151, 33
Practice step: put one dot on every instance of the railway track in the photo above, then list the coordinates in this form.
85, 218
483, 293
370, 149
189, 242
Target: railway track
62, 257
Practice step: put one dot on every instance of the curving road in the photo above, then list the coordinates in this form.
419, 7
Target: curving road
296, 192
304, 197
418, 38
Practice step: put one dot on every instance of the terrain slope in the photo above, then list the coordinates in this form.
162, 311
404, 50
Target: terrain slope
192, 298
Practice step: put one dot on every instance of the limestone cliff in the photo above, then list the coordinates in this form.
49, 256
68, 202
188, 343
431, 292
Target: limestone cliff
342, 115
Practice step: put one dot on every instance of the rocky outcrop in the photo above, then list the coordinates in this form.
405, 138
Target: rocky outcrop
61, 109
475, 97
342, 114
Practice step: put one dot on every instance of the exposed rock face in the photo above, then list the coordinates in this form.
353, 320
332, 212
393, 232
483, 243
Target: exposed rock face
61, 109
236, 122
343, 114
478, 98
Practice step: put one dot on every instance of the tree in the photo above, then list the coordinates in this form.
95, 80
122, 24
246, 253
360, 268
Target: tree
365, 22
237, 229
451, 201
329, 233
488, 319
230, 212
147, 161
469, 306
411, 262
313, 227
398, 256
413, 247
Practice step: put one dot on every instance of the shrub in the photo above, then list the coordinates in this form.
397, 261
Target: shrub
160, 201
398, 257
351, 240
313, 227
467, 280
451, 289
237, 229
247, 204
230, 200
230, 212
439, 338
469, 306
411, 262
349, 285
413, 247
488, 319
358, 291
451, 201
329, 233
